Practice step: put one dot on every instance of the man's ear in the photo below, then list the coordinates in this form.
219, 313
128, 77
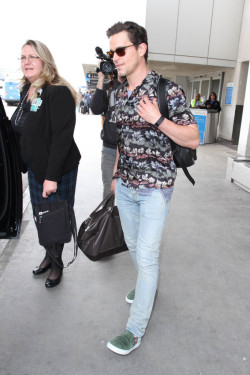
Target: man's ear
142, 49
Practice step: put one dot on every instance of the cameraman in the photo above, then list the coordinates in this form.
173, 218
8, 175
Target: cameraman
103, 102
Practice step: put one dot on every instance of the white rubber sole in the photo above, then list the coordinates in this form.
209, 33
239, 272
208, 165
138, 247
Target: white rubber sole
122, 351
130, 301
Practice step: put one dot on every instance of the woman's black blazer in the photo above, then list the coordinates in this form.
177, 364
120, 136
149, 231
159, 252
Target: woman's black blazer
47, 142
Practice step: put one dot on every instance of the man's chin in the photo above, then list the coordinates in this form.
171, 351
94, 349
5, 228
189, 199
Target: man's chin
121, 72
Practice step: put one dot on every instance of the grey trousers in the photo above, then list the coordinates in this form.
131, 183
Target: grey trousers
107, 165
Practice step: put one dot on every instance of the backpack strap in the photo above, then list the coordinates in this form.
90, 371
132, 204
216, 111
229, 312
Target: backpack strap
163, 106
161, 97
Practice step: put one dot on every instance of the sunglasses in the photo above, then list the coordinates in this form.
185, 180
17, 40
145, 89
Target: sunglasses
120, 51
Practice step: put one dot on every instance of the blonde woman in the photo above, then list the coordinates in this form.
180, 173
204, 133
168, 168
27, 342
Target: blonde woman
44, 122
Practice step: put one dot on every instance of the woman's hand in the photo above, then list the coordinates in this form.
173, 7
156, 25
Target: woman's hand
149, 111
49, 187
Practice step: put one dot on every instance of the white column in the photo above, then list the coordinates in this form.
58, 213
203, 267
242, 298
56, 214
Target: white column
244, 139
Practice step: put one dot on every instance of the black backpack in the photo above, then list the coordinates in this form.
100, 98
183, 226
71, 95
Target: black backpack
183, 157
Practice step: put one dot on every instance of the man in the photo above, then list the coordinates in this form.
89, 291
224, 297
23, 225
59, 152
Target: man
197, 102
87, 99
103, 102
145, 173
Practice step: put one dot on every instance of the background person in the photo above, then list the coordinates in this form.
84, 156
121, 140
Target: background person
87, 99
212, 102
80, 97
145, 173
103, 102
44, 121
197, 102
82, 104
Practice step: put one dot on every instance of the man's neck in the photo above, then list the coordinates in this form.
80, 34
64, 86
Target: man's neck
121, 79
135, 79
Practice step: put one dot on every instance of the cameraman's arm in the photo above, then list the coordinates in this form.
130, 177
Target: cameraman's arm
99, 102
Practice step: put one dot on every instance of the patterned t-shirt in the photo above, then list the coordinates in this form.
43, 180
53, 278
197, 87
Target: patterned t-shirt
146, 159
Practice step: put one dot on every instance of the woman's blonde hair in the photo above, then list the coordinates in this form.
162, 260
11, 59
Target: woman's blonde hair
49, 73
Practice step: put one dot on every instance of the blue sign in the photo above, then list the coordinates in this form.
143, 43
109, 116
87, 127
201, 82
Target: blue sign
229, 94
201, 124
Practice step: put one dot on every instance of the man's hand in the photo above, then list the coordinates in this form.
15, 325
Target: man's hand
149, 111
113, 183
49, 187
113, 186
101, 78
186, 136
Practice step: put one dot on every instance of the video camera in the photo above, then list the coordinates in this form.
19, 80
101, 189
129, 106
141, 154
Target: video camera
107, 66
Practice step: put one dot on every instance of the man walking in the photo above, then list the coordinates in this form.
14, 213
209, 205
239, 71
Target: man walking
145, 172
87, 99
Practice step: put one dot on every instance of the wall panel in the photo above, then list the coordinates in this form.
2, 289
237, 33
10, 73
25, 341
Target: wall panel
199, 32
244, 53
225, 31
161, 23
193, 31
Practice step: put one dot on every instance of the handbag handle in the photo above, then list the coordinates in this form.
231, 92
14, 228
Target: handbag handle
74, 233
73, 228
108, 201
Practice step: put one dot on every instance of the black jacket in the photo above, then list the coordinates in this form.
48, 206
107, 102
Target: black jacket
47, 141
104, 103
214, 105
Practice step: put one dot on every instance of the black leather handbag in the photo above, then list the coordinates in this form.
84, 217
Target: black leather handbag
55, 222
101, 234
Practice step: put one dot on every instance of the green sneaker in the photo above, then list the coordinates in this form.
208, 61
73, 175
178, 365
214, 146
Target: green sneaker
124, 344
130, 296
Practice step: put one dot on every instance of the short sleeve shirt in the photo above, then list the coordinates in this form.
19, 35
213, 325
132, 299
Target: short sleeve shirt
145, 155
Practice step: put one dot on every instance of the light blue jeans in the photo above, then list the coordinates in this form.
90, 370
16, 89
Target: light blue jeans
143, 219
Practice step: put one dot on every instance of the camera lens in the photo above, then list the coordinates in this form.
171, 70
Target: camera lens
106, 67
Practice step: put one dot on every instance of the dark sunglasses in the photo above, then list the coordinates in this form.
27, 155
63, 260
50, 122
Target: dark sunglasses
120, 51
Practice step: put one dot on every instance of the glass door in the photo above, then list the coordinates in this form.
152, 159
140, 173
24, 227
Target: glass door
216, 87
205, 83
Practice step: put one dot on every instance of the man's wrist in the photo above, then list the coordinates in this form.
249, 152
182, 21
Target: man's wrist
100, 82
159, 121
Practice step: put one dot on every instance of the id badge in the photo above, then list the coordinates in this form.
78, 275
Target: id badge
36, 104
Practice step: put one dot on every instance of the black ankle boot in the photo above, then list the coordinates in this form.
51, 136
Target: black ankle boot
56, 266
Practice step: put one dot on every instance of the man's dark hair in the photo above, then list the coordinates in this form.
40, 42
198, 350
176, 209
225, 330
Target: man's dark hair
137, 34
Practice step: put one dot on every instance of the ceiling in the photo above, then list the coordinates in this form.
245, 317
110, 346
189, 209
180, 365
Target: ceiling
169, 69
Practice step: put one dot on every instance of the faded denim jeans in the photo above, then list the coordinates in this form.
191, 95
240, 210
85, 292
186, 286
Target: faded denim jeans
143, 218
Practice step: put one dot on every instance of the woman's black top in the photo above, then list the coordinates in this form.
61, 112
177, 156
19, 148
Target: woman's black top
214, 104
46, 133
